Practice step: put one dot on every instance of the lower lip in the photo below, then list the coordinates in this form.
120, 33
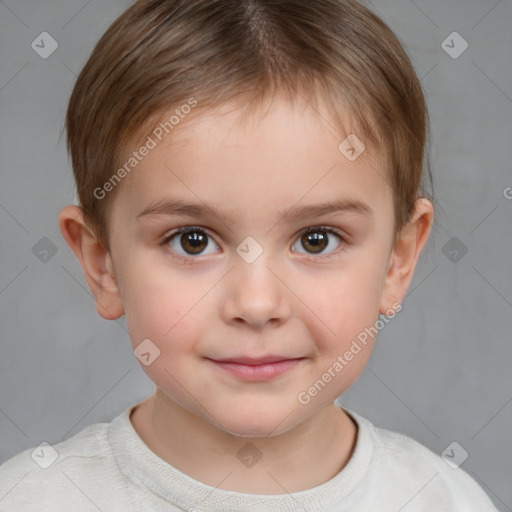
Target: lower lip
260, 372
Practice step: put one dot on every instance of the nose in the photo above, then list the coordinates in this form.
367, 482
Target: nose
256, 293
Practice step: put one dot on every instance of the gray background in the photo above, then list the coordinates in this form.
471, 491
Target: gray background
441, 369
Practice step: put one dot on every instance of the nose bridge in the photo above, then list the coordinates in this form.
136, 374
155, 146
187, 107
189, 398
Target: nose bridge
256, 293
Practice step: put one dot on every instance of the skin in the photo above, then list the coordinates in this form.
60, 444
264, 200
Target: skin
290, 301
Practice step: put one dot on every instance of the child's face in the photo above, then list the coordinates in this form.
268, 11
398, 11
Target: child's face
292, 301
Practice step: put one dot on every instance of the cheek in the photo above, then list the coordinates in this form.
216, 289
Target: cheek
344, 306
153, 301
350, 310
168, 308
161, 312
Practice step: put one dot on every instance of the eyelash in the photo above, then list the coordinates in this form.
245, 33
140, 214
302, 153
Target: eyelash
312, 229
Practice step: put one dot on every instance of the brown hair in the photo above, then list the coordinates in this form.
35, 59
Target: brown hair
161, 53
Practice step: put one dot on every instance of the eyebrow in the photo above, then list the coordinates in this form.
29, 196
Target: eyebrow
178, 207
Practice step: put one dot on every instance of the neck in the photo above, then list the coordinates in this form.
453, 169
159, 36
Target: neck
289, 462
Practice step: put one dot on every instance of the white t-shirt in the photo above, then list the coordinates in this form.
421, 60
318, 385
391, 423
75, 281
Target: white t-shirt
107, 467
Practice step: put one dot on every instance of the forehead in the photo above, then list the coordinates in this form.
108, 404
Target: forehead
256, 164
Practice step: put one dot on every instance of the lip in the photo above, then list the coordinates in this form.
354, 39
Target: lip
257, 370
254, 361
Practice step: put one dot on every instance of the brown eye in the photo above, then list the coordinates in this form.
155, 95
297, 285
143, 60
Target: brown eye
316, 240
191, 240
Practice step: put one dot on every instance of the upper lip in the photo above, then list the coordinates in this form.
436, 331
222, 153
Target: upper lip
255, 361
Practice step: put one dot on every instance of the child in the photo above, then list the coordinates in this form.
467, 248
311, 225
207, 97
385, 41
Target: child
249, 176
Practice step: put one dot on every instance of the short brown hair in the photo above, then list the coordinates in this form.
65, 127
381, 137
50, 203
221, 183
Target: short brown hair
160, 53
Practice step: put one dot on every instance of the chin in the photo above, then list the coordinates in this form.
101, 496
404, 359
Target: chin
254, 424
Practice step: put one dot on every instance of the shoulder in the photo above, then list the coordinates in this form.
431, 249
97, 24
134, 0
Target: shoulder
401, 462
49, 477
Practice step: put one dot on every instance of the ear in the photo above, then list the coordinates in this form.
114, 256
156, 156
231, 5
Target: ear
405, 255
96, 262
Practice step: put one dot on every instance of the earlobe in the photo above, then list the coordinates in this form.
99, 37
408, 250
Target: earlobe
405, 255
96, 262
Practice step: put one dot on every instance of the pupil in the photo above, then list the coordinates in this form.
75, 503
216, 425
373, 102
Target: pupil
194, 240
316, 240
